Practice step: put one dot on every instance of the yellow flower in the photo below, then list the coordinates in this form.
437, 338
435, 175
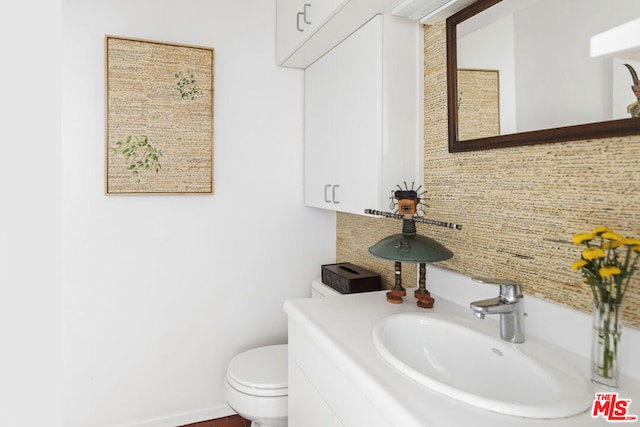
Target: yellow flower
599, 230
609, 270
631, 242
581, 238
636, 248
612, 236
578, 264
611, 245
592, 253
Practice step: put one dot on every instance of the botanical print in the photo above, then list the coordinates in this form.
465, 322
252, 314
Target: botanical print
147, 158
187, 86
159, 117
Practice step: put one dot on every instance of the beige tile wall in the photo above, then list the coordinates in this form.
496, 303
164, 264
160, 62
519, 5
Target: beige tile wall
519, 207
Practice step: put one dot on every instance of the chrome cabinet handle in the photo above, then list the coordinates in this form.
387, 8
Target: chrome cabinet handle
304, 13
304, 17
325, 193
333, 193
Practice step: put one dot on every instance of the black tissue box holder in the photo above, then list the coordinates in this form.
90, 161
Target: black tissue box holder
348, 278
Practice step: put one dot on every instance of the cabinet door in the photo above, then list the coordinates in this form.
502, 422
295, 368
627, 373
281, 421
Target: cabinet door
306, 406
358, 131
361, 118
291, 29
320, 99
343, 124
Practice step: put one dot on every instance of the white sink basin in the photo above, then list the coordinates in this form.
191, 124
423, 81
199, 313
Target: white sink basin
456, 356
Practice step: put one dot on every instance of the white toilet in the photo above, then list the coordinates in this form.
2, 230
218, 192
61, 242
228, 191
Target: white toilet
256, 384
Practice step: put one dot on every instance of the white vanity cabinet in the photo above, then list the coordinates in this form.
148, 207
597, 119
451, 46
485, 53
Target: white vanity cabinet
337, 377
362, 117
320, 395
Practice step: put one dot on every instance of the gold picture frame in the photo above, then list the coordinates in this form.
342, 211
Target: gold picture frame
159, 117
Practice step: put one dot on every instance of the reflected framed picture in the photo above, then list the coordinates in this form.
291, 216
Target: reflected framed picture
159, 117
478, 103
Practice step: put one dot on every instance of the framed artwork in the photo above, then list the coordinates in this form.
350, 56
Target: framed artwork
478, 103
159, 117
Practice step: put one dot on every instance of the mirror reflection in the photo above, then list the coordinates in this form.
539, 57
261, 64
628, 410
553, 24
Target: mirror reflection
526, 65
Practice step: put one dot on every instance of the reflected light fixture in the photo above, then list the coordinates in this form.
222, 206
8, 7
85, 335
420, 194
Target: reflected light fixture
410, 246
620, 39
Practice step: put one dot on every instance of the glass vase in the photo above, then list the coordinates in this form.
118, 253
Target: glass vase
604, 343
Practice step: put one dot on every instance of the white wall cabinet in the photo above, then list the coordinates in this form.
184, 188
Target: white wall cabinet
362, 117
297, 20
307, 29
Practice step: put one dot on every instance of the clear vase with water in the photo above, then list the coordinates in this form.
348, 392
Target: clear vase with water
605, 343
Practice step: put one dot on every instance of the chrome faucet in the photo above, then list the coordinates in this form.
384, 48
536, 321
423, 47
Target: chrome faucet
509, 305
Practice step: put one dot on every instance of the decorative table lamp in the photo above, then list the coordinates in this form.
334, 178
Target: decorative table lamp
410, 246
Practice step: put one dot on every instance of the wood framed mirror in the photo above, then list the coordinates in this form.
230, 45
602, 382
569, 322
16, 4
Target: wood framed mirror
595, 106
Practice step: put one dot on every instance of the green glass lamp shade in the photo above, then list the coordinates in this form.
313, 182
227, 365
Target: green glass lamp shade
410, 248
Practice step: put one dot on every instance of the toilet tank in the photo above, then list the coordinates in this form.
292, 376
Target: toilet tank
319, 289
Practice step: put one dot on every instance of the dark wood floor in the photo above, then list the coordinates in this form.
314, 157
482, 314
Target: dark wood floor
231, 421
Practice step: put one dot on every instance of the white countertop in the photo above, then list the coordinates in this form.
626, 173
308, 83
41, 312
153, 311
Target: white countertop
341, 326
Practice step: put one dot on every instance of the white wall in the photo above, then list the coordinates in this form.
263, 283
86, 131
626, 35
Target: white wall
161, 291
30, 213
491, 48
547, 71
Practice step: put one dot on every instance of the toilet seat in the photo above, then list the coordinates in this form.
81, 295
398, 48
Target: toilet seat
260, 371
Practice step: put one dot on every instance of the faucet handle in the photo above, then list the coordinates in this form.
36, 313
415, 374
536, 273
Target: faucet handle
509, 290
